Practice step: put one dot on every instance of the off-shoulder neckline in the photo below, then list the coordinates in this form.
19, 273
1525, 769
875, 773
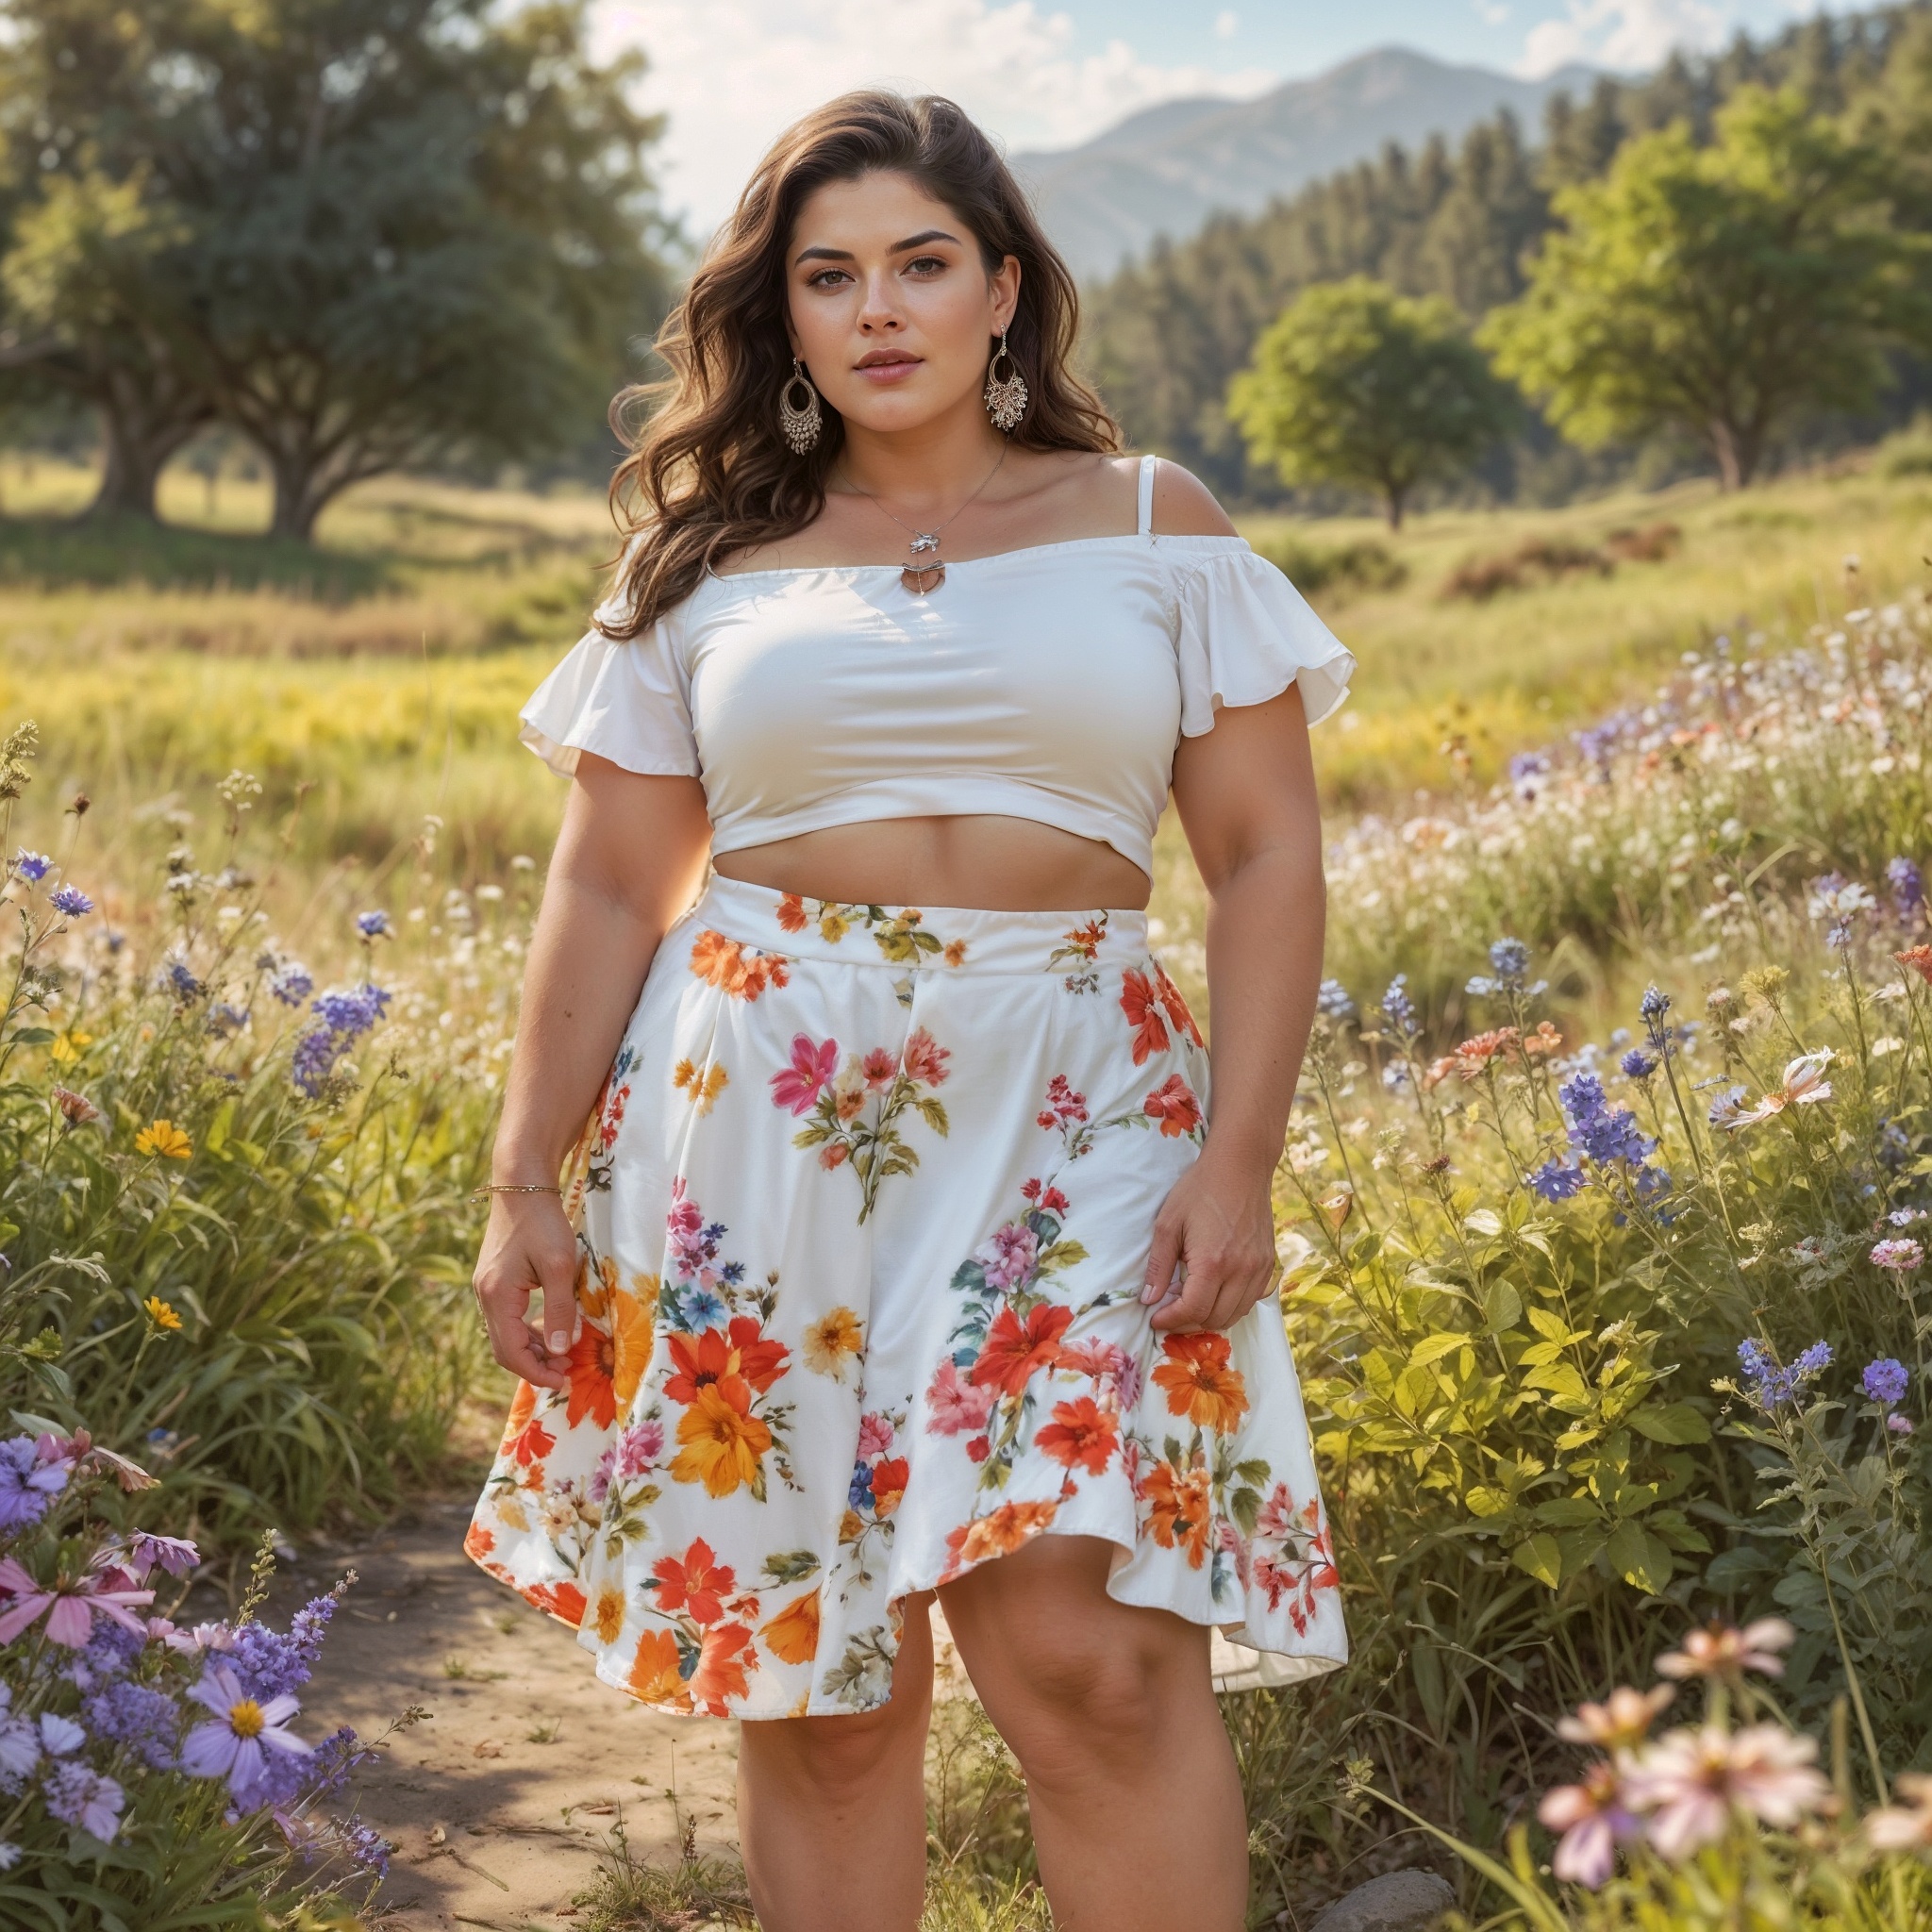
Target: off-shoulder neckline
1142, 541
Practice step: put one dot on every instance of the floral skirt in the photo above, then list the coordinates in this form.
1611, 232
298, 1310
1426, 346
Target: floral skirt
863, 1213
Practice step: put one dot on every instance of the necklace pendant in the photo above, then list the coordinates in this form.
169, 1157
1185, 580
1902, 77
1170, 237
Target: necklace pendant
924, 542
922, 578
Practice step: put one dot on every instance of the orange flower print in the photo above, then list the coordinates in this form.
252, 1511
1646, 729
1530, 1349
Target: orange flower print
1199, 1381
1173, 1104
523, 1436
727, 965
609, 1618
721, 1445
791, 912
595, 1279
1140, 1004
721, 1674
792, 1634
1081, 1435
655, 1676
1180, 1510
760, 1362
633, 1332
695, 1583
1015, 1349
701, 1086
1176, 1007
888, 1479
591, 1363
705, 1360
998, 1534
564, 1601
478, 1543
953, 952
924, 1060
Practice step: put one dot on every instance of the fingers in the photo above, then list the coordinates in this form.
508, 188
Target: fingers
516, 1345
1216, 1289
1160, 1283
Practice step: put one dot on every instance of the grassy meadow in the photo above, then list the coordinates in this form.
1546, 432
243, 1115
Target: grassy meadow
1626, 1061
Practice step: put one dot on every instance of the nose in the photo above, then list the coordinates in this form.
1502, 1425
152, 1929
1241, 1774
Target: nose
879, 312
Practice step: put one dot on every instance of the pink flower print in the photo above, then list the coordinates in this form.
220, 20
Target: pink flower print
1063, 1106
1110, 1365
874, 1436
924, 1060
1276, 1519
955, 1406
613, 1118
638, 1448
880, 1068
1276, 1579
799, 1085
1234, 1547
1008, 1258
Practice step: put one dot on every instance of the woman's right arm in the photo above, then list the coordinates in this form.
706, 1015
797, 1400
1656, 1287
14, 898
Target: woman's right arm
628, 860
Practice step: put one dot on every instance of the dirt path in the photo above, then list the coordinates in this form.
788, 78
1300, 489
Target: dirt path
497, 1802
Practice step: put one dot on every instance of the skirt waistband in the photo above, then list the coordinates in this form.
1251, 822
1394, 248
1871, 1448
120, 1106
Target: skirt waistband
939, 938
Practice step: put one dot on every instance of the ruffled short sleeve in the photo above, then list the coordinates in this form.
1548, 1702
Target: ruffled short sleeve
627, 700
1246, 634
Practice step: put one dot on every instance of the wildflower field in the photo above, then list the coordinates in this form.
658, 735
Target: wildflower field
1608, 1209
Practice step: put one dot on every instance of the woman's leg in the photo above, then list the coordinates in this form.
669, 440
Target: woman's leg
831, 1811
1137, 1807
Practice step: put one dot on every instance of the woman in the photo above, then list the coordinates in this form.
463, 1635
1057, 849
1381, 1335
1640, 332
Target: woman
897, 1256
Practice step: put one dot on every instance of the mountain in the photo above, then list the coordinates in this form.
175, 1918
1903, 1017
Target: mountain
1165, 170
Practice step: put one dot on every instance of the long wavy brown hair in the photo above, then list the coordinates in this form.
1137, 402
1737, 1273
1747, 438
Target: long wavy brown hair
708, 473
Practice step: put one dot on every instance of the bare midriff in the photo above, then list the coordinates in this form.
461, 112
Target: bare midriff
994, 864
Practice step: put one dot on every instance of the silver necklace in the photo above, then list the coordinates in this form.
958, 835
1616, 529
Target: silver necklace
927, 573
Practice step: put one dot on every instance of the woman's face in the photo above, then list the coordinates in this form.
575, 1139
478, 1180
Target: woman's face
891, 304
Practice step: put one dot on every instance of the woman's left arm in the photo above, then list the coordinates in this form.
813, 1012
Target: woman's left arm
1245, 791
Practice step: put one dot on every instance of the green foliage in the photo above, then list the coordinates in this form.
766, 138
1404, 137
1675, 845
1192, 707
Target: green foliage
1357, 385
1716, 290
259, 1281
1338, 569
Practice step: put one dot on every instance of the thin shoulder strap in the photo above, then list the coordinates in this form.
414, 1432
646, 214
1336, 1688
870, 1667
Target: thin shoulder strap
1147, 528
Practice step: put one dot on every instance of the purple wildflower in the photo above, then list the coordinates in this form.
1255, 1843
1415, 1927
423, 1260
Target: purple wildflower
29, 1482
1899, 1424
291, 984
1886, 1380
1603, 1132
72, 902
33, 866
1554, 1181
174, 1553
269, 1663
351, 1010
80, 1797
1653, 1007
1397, 1008
1772, 1386
372, 926
136, 1718
1638, 1064
1908, 888
176, 979
1333, 1000
234, 1743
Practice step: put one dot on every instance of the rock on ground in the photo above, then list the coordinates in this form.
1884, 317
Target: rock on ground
1396, 1902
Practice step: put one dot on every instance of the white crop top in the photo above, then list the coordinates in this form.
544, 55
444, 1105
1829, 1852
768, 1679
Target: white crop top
1051, 683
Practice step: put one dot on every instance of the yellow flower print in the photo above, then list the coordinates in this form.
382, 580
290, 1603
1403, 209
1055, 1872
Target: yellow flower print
833, 924
596, 1284
833, 1343
633, 1330
160, 1313
163, 1137
69, 1046
722, 1445
609, 1614
792, 1634
701, 1087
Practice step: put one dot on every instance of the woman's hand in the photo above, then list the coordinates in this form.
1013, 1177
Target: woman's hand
1218, 1224
529, 1245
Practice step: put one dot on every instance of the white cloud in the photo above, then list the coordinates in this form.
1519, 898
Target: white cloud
1621, 33
1490, 12
1226, 23
731, 74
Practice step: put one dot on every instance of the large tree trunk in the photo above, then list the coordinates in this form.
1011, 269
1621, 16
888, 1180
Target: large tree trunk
142, 425
302, 492
1739, 448
1395, 497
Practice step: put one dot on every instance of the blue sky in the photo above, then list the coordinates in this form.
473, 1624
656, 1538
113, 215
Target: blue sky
730, 74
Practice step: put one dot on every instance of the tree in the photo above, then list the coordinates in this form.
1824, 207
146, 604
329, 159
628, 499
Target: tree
373, 233
1357, 385
1716, 290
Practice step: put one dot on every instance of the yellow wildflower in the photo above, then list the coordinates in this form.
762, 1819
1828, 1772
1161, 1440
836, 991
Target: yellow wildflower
69, 1046
160, 1313
163, 1137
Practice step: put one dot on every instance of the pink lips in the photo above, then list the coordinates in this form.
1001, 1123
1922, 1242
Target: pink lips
892, 371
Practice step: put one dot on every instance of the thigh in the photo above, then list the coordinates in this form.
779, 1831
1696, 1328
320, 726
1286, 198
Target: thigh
1053, 1657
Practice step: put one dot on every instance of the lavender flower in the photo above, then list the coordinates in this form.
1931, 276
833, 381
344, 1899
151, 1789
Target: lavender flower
1772, 1386
1638, 1064
372, 926
1886, 1381
72, 902
1397, 1008
1333, 1000
1554, 1181
28, 1483
269, 1663
1908, 888
84, 1798
1596, 1128
1509, 967
135, 1718
352, 1011
33, 866
176, 978
291, 984
1653, 1007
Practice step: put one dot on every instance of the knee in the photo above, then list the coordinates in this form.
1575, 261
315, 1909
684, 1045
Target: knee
835, 1760
1089, 1699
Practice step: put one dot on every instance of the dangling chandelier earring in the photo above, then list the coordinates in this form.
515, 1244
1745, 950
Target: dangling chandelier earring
1005, 397
799, 423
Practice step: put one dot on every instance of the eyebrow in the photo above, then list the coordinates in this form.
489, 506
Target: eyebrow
919, 240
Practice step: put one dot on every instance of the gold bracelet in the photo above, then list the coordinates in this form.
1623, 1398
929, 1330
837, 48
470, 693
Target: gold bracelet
490, 1187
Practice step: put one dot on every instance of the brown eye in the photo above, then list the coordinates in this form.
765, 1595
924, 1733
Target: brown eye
926, 264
